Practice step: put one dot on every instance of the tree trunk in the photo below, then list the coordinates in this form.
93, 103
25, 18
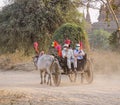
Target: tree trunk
113, 13
115, 18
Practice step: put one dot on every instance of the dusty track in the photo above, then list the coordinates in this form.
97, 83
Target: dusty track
23, 88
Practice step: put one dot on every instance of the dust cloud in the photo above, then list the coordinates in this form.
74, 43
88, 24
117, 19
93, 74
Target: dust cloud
21, 85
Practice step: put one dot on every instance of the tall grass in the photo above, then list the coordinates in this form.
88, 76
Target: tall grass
106, 61
9, 60
103, 61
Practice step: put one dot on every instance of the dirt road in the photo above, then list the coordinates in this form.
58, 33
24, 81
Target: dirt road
23, 88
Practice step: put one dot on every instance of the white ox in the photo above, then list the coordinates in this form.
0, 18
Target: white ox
44, 63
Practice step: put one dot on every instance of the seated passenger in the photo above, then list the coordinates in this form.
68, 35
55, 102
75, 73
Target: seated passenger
57, 46
67, 41
67, 53
78, 57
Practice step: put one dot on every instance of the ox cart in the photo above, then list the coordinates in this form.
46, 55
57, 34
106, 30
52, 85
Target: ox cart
84, 70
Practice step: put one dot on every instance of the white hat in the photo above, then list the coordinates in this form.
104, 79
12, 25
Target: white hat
66, 45
77, 45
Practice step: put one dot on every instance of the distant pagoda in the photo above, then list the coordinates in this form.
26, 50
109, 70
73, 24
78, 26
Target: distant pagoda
108, 23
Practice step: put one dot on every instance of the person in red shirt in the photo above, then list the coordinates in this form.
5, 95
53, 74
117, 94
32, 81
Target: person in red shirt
57, 46
81, 44
67, 41
36, 47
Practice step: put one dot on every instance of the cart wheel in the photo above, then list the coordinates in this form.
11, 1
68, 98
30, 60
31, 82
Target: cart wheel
88, 74
56, 74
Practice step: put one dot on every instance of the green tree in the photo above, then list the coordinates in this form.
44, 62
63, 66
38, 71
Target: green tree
24, 21
113, 40
99, 39
72, 31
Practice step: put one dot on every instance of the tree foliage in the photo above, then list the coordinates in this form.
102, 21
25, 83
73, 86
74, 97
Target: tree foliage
99, 39
113, 40
111, 8
25, 21
72, 31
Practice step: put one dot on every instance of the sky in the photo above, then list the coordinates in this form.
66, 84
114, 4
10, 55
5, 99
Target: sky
2, 3
93, 13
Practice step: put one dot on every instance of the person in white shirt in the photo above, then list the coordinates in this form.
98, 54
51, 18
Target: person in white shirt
67, 52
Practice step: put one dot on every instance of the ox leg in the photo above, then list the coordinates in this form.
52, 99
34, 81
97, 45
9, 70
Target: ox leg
50, 81
49, 77
45, 77
41, 77
82, 76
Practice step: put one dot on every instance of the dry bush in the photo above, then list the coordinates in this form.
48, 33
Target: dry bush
106, 61
103, 61
9, 61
